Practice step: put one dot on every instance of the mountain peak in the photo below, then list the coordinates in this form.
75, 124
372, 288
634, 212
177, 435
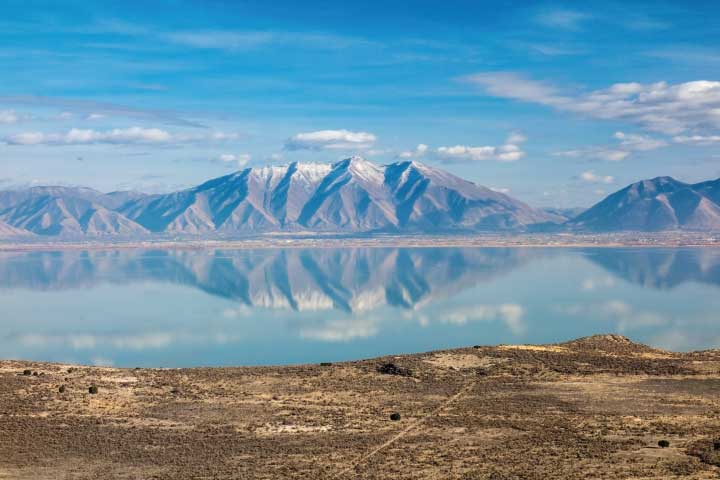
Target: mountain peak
660, 203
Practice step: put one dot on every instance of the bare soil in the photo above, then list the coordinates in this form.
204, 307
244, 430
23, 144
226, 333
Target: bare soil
594, 408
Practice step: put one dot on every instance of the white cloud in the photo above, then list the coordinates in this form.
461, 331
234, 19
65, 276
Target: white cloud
419, 151
342, 330
241, 160
118, 136
600, 153
500, 190
629, 143
510, 151
9, 116
697, 139
591, 177
330, 139
660, 107
635, 142
511, 314
95, 116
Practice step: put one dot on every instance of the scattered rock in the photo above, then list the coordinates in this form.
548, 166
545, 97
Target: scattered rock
93, 389
61, 389
325, 364
35, 374
395, 417
27, 372
70, 370
716, 444
392, 369
663, 444
175, 391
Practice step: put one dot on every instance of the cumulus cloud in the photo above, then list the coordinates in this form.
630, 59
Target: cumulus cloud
591, 177
330, 139
117, 136
241, 160
510, 151
660, 107
419, 151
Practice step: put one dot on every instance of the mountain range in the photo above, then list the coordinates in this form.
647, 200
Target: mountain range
349, 280
351, 196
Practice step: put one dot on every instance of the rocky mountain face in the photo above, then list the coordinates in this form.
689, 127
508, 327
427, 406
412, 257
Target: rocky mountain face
350, 196
662, 203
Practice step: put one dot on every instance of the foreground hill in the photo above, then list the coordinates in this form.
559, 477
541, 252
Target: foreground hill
661, 203
598, 407
350, 196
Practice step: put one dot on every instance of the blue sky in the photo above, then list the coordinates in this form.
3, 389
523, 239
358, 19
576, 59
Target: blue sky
557, 104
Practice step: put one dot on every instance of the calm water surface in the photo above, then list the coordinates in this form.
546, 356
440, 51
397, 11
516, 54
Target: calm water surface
249, 307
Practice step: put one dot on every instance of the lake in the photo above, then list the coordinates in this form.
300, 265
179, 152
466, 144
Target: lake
172, 308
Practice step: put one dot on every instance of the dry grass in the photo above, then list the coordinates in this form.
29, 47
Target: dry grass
593, 408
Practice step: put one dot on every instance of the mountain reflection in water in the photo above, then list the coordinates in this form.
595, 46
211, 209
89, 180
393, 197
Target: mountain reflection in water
208, 307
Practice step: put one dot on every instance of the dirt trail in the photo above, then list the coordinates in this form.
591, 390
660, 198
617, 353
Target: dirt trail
412, 426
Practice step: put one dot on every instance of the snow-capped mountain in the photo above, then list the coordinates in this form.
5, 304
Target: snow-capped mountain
661, 203
350, 196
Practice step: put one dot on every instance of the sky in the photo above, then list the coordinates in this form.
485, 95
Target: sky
557, 104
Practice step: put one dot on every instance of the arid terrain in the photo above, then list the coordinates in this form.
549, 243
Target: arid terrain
592, 408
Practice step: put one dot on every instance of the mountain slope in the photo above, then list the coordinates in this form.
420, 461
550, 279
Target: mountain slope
661, 203
426, 197
8, 231
349, 196
63, 211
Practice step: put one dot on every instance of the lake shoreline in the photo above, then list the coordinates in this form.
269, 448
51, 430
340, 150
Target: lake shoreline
673, 240
593, 407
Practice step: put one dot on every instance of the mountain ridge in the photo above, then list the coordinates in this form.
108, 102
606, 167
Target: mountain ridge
349, 196
658, 204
